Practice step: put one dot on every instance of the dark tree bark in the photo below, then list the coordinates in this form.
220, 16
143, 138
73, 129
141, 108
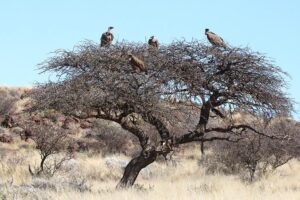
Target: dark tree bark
134, 167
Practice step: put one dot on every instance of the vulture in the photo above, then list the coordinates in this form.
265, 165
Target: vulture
136, 63
107, 37
214, 39
153, 42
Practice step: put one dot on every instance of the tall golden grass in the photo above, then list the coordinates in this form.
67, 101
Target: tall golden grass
90, 176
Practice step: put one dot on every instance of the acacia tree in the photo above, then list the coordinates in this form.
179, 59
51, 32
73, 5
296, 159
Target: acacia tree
97, 82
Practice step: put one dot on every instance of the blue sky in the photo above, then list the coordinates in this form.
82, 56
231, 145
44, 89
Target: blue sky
32, 29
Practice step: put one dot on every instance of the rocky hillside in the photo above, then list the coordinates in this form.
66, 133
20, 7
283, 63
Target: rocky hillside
89, 134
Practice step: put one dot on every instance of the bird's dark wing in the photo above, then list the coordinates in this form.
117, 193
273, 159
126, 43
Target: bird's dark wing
104, 39
215, 39
153, 42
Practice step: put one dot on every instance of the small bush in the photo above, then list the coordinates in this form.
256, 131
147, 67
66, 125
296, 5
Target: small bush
7, 101
255, 155
52, 143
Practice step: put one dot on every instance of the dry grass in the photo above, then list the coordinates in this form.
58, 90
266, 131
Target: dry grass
90, 176
16, 88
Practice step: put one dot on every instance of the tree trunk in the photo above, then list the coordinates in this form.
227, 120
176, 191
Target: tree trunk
204, 117
252, 170
202, 148
134, 167
42, 163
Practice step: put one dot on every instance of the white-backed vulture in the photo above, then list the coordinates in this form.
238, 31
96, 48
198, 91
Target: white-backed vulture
153, 42
136, 63
107, 37
214, 39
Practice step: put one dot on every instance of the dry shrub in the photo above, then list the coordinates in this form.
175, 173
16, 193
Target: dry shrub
7, 101
255, 155
52, 143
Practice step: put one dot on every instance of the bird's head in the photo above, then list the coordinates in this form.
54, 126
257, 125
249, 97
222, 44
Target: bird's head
206, 30
129, 55
110, 28
152, 37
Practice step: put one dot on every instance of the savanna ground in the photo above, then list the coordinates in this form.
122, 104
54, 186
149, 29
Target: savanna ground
92, 176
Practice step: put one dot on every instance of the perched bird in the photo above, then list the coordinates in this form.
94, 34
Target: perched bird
107, 37
214, 39
153, 42
136, 63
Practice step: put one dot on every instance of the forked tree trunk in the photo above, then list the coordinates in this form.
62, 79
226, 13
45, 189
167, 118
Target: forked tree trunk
134, 167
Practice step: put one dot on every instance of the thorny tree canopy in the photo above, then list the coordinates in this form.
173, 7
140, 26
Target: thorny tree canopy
100, 82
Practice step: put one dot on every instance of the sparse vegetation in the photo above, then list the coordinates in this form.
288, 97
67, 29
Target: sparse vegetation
93, 177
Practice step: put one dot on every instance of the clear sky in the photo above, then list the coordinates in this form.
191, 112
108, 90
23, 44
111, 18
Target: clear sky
30, 30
